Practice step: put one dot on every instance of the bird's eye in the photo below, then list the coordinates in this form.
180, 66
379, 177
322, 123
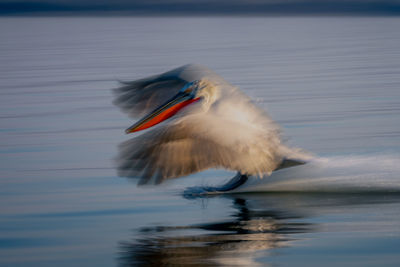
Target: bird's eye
188, 91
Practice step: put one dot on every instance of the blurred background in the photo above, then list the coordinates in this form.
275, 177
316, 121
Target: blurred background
327, 71
201, 7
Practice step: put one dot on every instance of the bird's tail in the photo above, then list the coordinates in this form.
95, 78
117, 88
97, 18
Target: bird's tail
287, 163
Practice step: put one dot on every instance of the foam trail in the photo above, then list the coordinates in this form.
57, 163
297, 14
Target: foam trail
333, 174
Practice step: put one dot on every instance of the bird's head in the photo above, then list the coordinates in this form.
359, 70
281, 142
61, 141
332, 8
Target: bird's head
190, 93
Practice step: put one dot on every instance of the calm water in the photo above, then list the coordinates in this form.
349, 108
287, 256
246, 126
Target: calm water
332, 83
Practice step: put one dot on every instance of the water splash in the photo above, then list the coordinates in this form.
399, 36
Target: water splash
372, 173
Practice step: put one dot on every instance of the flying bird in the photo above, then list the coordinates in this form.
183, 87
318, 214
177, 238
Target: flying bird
194, 120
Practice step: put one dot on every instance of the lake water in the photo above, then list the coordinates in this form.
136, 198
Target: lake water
333, 84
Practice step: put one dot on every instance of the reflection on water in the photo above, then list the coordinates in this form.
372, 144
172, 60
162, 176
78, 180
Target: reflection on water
233, 242
260, 223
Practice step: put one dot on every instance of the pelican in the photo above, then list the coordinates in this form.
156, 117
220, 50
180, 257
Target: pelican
195, 120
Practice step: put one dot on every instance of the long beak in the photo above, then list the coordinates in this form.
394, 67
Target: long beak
163, 112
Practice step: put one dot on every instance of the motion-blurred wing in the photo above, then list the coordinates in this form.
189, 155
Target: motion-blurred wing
195, 143
142, 96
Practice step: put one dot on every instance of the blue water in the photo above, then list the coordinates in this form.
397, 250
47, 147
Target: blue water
333, 84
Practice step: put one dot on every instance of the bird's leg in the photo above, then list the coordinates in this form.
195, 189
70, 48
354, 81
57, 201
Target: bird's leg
234, 183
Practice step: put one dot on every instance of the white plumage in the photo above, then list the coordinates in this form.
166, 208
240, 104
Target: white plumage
224, 129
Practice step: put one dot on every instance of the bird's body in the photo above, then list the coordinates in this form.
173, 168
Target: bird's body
208, 124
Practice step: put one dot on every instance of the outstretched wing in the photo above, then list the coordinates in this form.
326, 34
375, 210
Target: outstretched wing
195, 143
142, 96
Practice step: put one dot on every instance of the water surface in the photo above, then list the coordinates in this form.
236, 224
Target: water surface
331, 83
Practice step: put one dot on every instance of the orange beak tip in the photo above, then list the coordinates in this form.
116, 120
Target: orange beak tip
128, 131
